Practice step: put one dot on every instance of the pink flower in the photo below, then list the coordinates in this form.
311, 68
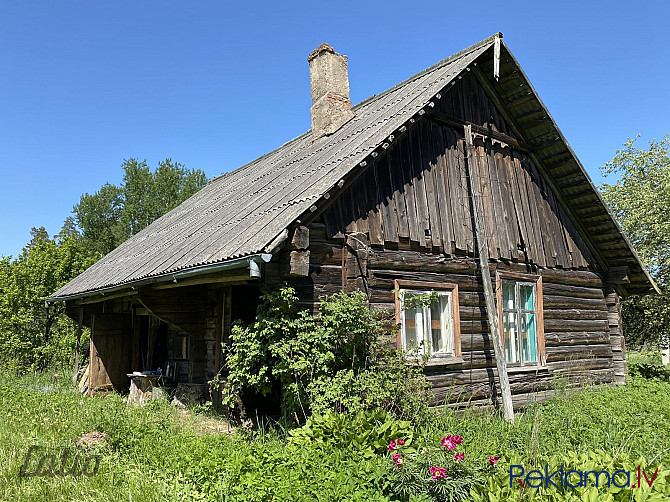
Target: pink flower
392, 445
438, 472
459, 456
400, 441
456, 439
397, 459
493, 460
448, 443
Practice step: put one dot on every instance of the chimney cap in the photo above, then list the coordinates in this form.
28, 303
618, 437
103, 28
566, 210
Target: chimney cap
324, 47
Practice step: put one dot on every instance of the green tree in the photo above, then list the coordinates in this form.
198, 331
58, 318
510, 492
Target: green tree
640, 201
31, 335
115, 213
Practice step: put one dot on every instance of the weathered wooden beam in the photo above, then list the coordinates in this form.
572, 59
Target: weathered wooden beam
618, 275
300, 237
472, 163
221, 279
298, 264
455, 123
100, 297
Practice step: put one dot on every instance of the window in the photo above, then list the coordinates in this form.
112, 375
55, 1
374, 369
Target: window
523, 338
434, 328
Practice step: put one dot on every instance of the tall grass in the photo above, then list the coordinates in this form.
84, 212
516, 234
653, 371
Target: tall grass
159, 453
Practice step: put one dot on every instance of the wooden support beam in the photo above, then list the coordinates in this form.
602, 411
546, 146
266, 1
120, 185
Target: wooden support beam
477, 129
220, 279
618, 275
77, 349
472, 163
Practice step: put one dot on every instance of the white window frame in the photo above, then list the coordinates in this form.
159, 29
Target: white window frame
518, 312
450, 291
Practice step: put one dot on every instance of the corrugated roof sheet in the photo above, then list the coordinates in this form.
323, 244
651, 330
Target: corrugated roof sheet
239, 213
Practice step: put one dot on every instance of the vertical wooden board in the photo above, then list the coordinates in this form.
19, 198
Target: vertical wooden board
416, 234
442, 186
511, 163
374, 216
536, 251
111, 350
479, 150
513, 236
393, 155
429, 164
504, 241
385, 191
459, 192
536, 218
543, 224
560, 246
418, 182
455, 193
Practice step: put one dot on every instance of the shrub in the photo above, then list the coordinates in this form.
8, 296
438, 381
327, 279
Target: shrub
650, 371
338, 360
368, 432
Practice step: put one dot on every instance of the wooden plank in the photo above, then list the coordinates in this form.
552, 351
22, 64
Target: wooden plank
416, 234
442, 186
393, 156
374, 208
419, 186
428, 164
386, 192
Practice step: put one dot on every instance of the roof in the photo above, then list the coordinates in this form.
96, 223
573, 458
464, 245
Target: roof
239, 213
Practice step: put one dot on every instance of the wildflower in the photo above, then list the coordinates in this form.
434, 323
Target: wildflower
456, 439
438, 472
459, 456
400, 441
424, 450
493, 460
392, 445
448, 443
397, 459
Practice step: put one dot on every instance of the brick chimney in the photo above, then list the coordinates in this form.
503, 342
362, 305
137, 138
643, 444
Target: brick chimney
329, 76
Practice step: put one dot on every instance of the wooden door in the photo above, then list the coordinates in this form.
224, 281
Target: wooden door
111, 351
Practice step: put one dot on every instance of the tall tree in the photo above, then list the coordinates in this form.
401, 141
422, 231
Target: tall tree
32, 336
115, 213
640, 201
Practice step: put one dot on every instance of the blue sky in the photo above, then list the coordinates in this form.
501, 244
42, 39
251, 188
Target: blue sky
214, 85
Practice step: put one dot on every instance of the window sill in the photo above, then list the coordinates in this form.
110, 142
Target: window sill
444, 361
527, 369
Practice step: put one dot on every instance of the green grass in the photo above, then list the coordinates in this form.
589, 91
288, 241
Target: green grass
156, 453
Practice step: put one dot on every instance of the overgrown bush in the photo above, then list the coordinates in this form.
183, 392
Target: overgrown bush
367, 432
340, 359
650, 371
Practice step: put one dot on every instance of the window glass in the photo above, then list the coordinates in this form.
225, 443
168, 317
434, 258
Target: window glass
440, 325
429, 327
508, 294
526, 294
510, 337
528, 338
518, 322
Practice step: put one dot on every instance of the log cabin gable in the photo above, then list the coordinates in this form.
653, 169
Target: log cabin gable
417, 194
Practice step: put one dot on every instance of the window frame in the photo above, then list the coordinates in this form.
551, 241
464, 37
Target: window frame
427, 287
527, 279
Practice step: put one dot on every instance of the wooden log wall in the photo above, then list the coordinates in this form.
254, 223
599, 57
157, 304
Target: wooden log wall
576, 318
616, 334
